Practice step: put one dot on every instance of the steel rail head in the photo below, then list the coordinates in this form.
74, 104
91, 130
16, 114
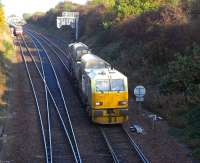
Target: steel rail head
56, 46
66, 67
136, 147
50, 155
77, 153
56, 53
138, 150
37, 103
114, 155
47, 102
62, 121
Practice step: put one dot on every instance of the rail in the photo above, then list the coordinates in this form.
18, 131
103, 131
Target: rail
50, 155
132, 142
135, 146
119, 144
37, 105
56, 53
114, 155
71, 139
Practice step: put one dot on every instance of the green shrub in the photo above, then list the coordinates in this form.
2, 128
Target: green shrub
184, 74
66, 6
194, 117
2, 18
111, 51
177, 132
196, 153
108, 3
128, 7
27, 16
107, 25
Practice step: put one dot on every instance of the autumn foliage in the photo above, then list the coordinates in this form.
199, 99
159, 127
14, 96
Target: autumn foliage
155, 43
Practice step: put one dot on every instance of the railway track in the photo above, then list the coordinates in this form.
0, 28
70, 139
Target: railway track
122, 146
60, 100
57, 39
93, 147
52, 91
58, 52
38, 106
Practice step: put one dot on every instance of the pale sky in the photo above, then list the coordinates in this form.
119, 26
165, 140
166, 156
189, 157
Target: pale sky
18, 7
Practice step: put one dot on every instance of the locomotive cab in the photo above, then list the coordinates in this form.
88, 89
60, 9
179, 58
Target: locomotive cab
107, 94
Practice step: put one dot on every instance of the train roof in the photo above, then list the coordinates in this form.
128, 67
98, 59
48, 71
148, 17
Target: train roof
71, 44
105, 74
92, 58
78, 44
92, 61
18, 27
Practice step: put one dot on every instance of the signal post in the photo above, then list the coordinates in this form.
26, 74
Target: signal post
71, 19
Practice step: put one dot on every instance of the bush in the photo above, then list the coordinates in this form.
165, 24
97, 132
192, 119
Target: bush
107, 3
2, 18
196, 153
6, 51
125, 8
146, 40
184, 74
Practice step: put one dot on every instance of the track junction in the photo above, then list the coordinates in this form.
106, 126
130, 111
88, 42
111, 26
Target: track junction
68, 136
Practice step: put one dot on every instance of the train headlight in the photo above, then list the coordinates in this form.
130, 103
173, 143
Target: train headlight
123, 102
99, 103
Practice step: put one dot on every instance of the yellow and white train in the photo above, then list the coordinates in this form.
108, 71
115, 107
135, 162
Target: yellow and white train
104, 90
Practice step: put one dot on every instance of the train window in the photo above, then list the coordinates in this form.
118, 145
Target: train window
117, 85
102, 85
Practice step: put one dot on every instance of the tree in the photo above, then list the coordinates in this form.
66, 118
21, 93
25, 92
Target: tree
26, 16
135, 7
2, 17
106, 3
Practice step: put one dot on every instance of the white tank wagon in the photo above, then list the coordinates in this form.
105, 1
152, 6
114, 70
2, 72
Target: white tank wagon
90, 62
76, 51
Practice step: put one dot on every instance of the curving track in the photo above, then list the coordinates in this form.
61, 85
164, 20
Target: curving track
119, 144
53, 152
92, 144
122, 146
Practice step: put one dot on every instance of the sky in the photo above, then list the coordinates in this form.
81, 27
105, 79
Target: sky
18, 7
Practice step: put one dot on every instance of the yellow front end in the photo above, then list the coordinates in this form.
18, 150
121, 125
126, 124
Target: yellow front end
110, 107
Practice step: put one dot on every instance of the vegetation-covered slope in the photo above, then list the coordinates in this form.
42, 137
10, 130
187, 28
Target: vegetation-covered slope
155, 43
6, 51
